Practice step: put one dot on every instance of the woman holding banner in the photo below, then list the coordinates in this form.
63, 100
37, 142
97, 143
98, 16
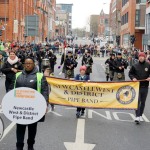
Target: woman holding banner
30, 77
82, 77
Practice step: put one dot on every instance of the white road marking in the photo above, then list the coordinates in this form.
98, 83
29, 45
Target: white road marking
90, 114
145, 118
55, 113
108, 115
115, 114
80, 131
8, 129
79, 141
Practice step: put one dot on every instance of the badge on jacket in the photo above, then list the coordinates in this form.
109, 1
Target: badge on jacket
146, 69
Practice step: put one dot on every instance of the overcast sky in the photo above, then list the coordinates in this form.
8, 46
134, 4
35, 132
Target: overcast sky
82, 9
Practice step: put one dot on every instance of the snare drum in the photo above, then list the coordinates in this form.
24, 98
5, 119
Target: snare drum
45, 62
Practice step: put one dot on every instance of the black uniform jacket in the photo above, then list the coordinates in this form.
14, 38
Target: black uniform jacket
140, 71
6, 69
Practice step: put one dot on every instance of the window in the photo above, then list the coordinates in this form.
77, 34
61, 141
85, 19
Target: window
124, 2
140, 1
106, 21
137, 18
148, 23
124, 19
125, 39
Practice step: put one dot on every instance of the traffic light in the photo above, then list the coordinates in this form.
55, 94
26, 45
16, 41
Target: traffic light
0, 32
118, 39
132, 39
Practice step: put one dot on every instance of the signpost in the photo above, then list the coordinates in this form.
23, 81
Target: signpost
24, 105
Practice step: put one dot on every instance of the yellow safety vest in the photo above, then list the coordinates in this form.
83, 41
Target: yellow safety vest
39, 79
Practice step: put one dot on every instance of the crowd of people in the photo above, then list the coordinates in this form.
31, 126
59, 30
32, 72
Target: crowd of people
21, 64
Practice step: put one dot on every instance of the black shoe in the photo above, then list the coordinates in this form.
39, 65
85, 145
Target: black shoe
30, 148
82, 113
78, 114
30, 144
52, 107
19, 146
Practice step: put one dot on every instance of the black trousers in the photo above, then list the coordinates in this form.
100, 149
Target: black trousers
80, 109
7, 84
40, 66
20, 133
52, 67
141, 101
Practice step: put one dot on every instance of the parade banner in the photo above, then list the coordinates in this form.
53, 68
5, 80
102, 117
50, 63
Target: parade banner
96, 95
24, 105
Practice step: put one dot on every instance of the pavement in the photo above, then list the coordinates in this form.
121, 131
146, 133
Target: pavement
97, 130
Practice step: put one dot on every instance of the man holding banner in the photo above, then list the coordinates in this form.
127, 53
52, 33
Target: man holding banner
141, 71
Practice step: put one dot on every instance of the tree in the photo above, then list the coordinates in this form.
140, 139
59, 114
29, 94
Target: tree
94, 19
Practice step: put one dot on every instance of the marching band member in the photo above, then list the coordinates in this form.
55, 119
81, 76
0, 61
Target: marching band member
70, 64
52, 59
120, 65
40, 55
110, 67
87, 60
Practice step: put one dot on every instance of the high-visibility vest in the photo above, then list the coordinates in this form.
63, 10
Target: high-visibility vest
1, 46
39, 79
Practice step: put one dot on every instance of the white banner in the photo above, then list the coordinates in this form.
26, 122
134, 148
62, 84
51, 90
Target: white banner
24, 105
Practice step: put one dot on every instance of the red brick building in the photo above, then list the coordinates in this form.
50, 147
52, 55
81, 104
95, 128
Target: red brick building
115, 18
103, 23
99, 24
132, 22
12, 15
147, 25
